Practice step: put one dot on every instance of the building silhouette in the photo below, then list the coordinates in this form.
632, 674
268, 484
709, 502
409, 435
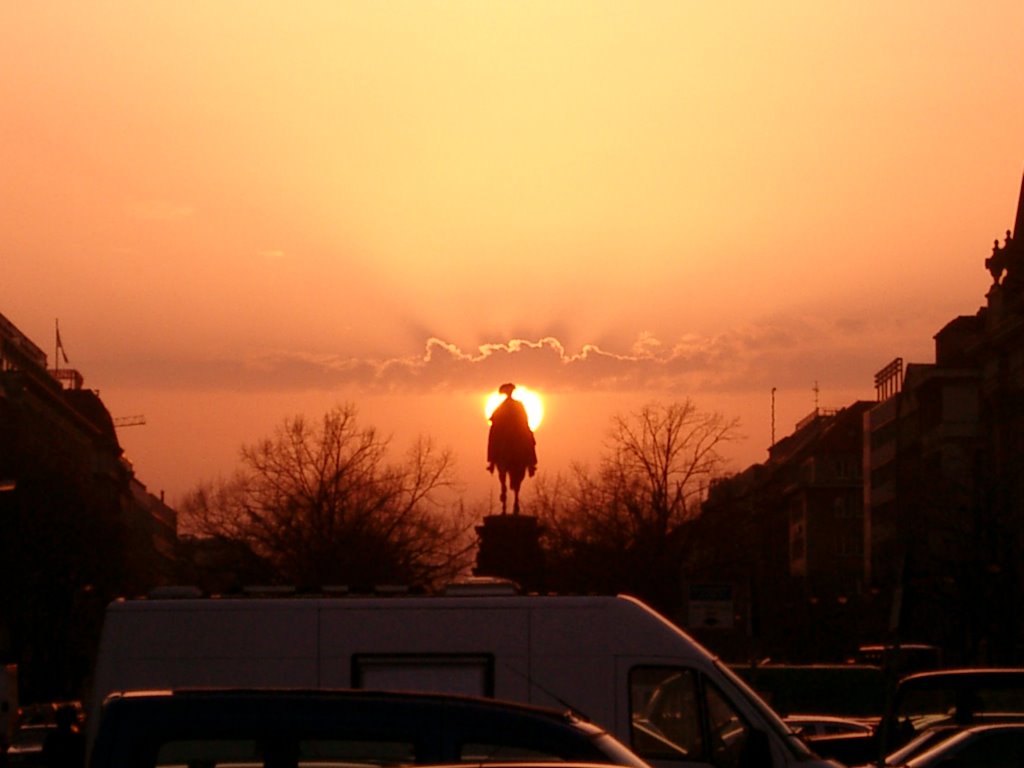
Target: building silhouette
945, 493
787, 535
78, 528
905, 528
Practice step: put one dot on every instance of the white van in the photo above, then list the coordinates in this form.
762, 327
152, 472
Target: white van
612, 660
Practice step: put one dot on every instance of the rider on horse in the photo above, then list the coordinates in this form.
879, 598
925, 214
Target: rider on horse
510, 445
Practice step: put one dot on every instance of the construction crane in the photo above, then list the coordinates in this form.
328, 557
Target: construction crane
130, 421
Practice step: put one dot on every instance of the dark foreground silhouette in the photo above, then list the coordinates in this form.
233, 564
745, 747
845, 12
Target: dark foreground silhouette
511, 447
64, 746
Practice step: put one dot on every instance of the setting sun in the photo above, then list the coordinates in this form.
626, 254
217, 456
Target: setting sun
530, 400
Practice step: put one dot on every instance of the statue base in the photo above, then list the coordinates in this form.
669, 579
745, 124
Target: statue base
510, 549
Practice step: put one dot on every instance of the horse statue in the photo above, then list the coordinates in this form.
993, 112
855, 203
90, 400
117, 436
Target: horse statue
511, 447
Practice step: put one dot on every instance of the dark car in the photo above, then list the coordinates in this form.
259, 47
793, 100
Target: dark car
278, 728
959, 697
809, 726
26, 749
985, 746
918, 745
928, 700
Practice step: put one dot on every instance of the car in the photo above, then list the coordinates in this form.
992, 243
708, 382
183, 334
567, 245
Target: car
921, 743
905, 658
285, 728
854, 691
961, 697
26, 747
826, 725
998, 745
926, 700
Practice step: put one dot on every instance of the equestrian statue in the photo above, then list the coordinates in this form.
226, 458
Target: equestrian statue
511, 447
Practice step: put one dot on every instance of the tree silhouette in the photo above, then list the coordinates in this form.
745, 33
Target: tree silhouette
324, 506
624, 528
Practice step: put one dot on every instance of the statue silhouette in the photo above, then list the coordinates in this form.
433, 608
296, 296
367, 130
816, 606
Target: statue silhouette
511, 447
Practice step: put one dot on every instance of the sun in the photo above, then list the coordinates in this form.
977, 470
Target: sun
531, 402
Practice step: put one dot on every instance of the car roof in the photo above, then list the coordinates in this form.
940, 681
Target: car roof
360, 696
435, 723
991, 727
964, 673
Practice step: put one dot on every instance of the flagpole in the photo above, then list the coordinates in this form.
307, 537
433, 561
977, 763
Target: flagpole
58, 350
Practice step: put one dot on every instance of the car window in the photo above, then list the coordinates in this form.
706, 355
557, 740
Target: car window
484, 753
325, 752
1008, 700
208, 753
306, 753
961, 701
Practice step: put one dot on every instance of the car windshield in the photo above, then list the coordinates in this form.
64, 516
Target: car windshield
956, 698
961, 701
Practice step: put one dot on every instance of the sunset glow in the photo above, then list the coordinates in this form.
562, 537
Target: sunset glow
531, 402
243, 211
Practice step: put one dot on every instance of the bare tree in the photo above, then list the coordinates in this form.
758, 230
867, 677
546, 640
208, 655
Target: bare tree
323, 504
624, 528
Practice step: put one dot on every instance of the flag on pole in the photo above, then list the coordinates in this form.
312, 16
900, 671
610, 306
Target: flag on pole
60, 344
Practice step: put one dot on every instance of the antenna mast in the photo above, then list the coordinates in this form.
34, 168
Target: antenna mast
129, 421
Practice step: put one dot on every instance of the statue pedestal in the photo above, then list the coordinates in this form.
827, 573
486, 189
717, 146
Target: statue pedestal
510, 549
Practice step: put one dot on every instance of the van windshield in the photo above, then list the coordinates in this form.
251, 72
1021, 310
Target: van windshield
789, 738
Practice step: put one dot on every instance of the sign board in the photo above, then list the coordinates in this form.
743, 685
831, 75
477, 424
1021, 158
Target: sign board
711, 606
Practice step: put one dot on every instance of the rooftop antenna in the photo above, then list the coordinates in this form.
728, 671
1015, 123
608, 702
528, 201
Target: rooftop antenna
773, 416
130, 421
817, 392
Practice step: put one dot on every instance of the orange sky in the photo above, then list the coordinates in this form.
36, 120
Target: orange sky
244, 210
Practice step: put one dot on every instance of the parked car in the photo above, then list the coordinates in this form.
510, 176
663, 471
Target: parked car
810, 726
998, 745
26, 749
855, 691
281, 728
904, 658
926, 700
920, 744
959, 697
